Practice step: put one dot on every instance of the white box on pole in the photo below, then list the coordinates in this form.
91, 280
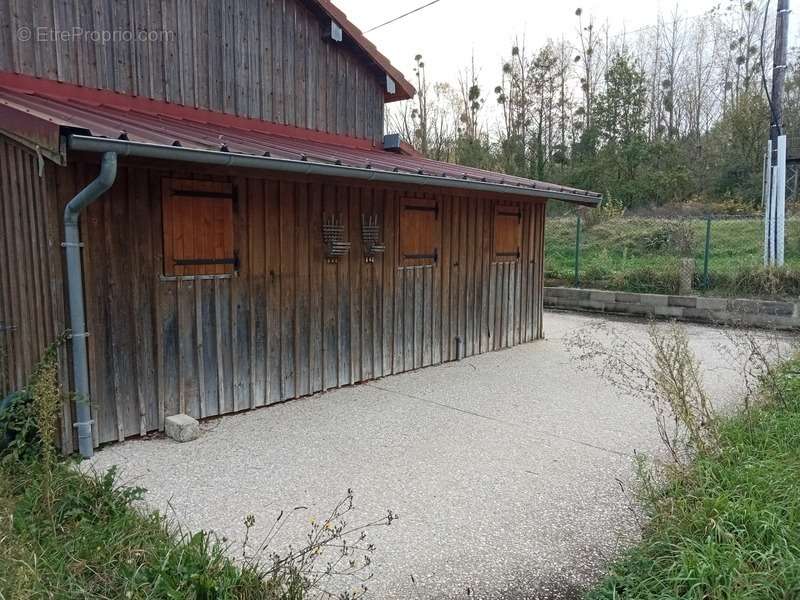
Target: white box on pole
780, 201
765, 200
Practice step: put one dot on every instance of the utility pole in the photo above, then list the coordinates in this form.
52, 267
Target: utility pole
775, 191
779, 59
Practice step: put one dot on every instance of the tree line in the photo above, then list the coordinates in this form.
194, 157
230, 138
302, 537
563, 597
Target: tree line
668, 113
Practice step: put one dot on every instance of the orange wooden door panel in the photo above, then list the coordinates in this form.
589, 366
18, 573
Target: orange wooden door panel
197, 227
420, 232
507, 233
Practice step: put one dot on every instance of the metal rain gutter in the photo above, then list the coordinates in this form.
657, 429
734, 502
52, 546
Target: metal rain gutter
77, 312
83, 143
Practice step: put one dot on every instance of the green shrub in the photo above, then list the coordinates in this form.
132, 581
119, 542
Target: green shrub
759, 281
642, 255
19, 434
91, 542
650, 279
64, 534
641, 237
729, 526
29, 421
67, 535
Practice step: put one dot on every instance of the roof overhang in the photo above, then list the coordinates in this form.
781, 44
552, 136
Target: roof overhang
56, 118
403, 88
38, 133
124, 148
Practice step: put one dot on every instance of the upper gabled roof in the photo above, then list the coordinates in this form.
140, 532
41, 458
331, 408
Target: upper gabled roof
404, 89
43, 113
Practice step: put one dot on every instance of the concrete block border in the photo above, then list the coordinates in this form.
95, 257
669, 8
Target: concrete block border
744, 312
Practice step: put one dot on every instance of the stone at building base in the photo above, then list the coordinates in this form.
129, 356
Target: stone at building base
182, 428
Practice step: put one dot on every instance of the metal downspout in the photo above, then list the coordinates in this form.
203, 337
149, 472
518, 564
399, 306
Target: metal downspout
77, 313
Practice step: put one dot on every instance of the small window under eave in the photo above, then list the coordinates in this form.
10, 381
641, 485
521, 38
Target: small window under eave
420, 232
507, 233
197, 228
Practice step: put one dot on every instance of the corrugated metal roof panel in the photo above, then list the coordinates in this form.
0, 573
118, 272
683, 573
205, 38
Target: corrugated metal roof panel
116, 116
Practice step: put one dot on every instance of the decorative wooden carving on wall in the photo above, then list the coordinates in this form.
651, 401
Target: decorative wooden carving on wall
333, 238
370, 235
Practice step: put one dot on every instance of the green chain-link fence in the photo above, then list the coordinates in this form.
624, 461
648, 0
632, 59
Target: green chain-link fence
644, 254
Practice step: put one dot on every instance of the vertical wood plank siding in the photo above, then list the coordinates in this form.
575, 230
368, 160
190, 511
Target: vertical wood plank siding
263, 59
32, 310
289, 323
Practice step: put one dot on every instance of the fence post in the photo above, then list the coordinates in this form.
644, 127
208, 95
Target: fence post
707, 252
577, 251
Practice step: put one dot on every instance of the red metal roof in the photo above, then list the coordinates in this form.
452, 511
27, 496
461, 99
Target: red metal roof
40, 111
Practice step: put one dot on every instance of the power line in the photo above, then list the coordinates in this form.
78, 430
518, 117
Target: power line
411, 12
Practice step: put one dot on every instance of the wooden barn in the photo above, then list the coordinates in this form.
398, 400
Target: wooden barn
212, 208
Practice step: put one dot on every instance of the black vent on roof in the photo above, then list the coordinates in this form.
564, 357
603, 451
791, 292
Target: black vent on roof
391, 142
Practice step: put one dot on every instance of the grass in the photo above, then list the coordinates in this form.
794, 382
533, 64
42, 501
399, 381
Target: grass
65, 534
640, 255
729, 527
83, 537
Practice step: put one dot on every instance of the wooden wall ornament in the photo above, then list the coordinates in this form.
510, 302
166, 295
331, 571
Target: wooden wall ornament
333, 238
370, 236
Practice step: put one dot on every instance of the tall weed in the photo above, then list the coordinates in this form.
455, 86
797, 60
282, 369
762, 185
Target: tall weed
662, 371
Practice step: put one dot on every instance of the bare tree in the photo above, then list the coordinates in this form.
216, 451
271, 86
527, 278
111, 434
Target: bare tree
470, 101
698, 93
673, 55
565, 101
543, 82
441, 129
399, 120
742, 26
589, 45
701, 102
420, 114
514, 96
426, 122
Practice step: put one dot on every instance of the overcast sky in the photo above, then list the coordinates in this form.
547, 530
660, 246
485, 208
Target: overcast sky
448, 32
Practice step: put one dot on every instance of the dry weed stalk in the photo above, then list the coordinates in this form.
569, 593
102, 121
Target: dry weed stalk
664, 372
327, 555
45, 397
760, 356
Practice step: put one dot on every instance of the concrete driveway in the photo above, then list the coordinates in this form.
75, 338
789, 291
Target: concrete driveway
506, 469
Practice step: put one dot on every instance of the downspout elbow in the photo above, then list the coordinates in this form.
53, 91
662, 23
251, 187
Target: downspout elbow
100, 184
77, 312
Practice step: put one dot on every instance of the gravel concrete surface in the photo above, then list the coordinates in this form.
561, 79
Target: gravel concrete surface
507, 469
